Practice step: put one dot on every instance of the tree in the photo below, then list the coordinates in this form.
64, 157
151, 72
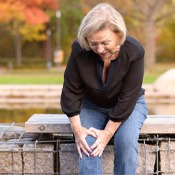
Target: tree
151, 15
26, 19
166, 42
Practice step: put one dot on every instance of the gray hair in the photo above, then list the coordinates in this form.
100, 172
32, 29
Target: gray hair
102, 16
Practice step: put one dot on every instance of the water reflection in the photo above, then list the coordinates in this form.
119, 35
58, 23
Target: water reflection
21, 116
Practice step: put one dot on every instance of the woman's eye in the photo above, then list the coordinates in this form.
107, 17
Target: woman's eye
93, 44
106, 43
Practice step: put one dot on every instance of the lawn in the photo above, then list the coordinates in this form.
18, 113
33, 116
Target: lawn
33, 76
43, 76
158, 69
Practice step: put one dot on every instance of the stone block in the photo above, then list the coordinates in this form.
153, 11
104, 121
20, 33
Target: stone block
108, 160
10, 159
69, 159
167, 157
146, 159
38, 158
10, 132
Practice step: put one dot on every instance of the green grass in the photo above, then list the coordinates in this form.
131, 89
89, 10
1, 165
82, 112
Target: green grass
156, 71
32, 77
43, 76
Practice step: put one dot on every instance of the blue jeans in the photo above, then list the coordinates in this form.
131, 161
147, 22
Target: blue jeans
125, 139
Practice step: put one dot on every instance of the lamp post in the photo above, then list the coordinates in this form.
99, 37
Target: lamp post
58, 28
48, 49
58, 54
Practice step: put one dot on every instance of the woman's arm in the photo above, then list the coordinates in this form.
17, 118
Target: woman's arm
131, 87
72, 91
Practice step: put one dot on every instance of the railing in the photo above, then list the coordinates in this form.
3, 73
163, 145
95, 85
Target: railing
45, 145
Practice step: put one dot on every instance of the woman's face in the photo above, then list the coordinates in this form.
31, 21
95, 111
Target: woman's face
105, 43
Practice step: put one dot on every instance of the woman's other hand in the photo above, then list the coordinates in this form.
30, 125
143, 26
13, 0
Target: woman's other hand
103, 137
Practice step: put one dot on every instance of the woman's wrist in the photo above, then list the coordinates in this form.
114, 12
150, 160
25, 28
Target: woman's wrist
109, 133
112, 127
75, 123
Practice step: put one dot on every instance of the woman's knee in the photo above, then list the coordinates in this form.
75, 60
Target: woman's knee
90, 140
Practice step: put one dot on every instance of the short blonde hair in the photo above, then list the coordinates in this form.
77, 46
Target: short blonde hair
102, 16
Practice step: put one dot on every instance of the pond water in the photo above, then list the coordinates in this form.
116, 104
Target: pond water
21, 116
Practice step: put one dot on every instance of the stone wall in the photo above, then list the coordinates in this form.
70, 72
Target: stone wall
40, 158
25, 154
32, 158
26, 159
21, 153
68, 159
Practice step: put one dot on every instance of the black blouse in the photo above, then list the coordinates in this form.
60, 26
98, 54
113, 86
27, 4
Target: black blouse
83, 79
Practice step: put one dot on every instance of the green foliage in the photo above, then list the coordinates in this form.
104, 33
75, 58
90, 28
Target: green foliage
166, 42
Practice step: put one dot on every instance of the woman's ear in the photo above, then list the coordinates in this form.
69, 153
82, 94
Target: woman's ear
120, 37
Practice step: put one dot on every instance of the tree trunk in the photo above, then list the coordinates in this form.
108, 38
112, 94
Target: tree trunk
150, 44
18, 49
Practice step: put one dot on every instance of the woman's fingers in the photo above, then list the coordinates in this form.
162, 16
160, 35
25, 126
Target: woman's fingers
92, 132
79, 151
86, 146
102, 140
101, 152
97, 143
80, 148
98, 151
81, 143
98, 147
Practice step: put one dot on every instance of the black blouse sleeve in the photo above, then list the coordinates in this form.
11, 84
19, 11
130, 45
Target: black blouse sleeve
72, 92
131, 87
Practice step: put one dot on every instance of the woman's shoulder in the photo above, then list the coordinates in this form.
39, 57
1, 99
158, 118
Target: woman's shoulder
76, 48
76, 45
133, 44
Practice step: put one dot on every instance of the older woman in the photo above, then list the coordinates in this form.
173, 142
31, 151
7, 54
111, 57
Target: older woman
102, 93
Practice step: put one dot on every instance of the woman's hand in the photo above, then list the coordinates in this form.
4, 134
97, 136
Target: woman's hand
80, 134
103, 137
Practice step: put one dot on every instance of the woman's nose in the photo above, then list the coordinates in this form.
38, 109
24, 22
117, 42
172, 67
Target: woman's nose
100, 48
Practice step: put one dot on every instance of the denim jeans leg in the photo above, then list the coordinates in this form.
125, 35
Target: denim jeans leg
91, 118
126, 140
